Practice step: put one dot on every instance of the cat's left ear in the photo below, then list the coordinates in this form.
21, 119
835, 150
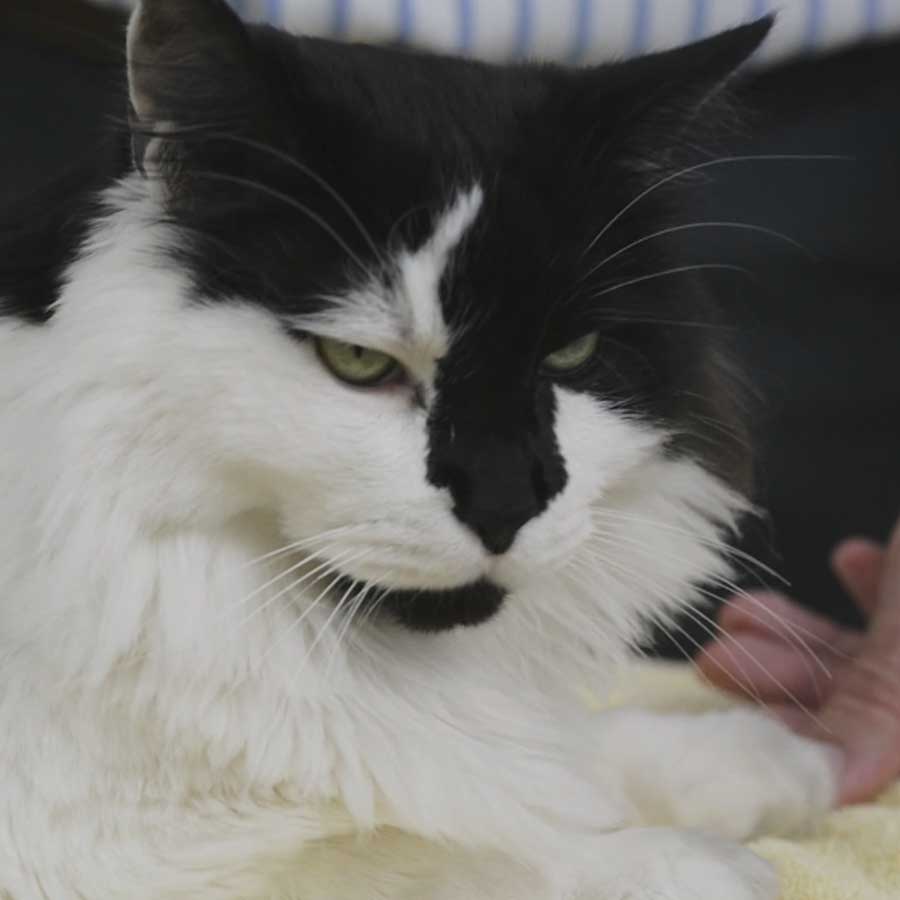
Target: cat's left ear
188, 68
652, 100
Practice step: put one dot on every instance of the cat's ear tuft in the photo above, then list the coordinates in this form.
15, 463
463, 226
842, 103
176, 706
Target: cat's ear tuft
707, 64
647, 105
183, 55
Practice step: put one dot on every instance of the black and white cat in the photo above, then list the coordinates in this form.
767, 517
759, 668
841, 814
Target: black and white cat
350, 425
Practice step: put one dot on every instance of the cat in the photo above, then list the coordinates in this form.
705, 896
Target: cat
352, 426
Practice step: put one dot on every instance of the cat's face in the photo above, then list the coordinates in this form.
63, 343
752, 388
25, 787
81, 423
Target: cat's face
410, 325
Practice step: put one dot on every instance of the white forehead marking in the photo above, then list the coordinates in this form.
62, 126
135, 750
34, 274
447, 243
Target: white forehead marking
404, 317
418, 286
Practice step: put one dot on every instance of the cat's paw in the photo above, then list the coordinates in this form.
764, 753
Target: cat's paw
704, 869
736, 774
671, 865
747, 775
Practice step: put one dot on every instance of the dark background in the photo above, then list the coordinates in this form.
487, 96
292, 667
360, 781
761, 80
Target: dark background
818, 339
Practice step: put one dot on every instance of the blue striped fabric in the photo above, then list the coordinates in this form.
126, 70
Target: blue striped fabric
873, 15
815, 22
274, 11
574, 31
406, 20
699, 21
340, 18
643, 18
582, 31
466, 26
524, 29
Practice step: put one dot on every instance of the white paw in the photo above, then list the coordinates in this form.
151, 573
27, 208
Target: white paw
747, 775
671, 865
703, 869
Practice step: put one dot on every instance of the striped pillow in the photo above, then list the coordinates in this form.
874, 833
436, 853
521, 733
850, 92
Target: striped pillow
574, 31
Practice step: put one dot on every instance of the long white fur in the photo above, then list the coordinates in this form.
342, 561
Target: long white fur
177, 720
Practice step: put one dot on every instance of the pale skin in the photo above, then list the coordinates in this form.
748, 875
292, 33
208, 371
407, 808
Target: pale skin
856, 703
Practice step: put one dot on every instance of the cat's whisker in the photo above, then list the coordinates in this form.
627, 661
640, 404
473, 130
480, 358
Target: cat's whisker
313, 176
676, 270
322, 631
720, 428
355, 605
297, 545
630, 318
327, 567
790, 629
714, 631
691, 226
787, 692
133, 658
720, 545
374, 606
668, 623
845, 658
708, 164
576, 568
301, 618
262, 588
805, 658
722, 581
288, 201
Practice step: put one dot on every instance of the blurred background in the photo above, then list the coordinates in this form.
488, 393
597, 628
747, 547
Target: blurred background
818, 336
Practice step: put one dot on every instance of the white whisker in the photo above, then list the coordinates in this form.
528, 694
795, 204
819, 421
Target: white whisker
741, 226
290, 202
721, 581
708, 164
355, 606
297, 545
327, 564
313, 176
722, 546
309, 609
677, 270
655, 590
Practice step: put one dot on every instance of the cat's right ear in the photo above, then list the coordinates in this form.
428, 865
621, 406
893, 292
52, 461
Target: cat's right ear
188, 69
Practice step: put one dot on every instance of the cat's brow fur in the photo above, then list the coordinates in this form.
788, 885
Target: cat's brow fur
233, 588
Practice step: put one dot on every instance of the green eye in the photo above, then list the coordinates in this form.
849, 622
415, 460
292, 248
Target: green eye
572, 355
354, 364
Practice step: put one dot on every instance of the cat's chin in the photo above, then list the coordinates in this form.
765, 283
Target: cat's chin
429, 610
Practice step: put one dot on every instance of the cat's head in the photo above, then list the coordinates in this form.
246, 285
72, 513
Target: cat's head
418, 310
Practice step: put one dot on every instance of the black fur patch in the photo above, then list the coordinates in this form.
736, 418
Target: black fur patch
42, 234
430, 610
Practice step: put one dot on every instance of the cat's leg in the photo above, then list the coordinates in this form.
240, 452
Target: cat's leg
670, 864
736, 773
638, 864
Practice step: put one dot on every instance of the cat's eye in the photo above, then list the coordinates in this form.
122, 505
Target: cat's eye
356, 365
573, 355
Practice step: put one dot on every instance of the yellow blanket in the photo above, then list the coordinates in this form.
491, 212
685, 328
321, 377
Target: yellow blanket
855, 855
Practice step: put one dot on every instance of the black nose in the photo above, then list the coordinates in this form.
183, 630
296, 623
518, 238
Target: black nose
498, 530
494, 494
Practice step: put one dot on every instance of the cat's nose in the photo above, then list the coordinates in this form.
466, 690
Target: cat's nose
493, 501
498, 531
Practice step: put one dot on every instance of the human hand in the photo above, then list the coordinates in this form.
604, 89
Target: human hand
824, 680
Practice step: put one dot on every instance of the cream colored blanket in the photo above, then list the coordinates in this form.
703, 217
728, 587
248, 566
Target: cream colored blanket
855, 855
